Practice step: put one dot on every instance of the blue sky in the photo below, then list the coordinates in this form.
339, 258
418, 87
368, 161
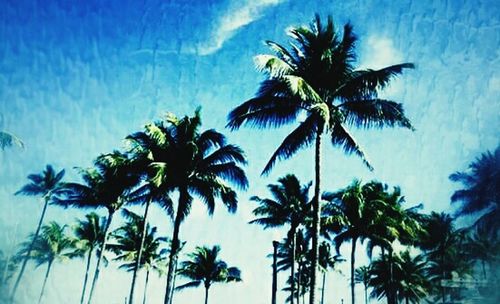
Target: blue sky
77, 77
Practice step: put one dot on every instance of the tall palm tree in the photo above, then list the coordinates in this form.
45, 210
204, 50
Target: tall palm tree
51, 246
326, 261
48, 185
205, 267
481, 192
193, 163
90, 235
107, 185
127, 242
317, 76
362, 275
289, 205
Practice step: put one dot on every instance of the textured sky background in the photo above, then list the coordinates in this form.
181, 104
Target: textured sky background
77, 76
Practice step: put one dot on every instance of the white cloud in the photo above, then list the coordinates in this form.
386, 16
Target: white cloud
231, 21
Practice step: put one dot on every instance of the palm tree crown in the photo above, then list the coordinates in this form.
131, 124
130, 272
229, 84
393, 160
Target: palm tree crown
205, 267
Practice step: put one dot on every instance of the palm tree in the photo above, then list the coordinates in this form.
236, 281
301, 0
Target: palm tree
481, 192
47, 185
411, 277
289, 205
8, 140
318, 76
204, 266
108, 184
128, 239
362, 275
193, 163
326, 262
51, 246
8, 266
90, 233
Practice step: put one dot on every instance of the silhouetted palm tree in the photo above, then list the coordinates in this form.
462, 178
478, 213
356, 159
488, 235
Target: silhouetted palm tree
128, 240
52, 245
47, 185
481, 192
205, 267
90, 235
326, 261
362, 275
289, 205
107, 185
318, 77
194, 163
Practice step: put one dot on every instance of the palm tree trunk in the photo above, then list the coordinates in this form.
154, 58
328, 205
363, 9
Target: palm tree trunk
353, 260
173, 282
45, 282
101, 255
175, 246
206, 295
274, 287
86, 275
299, 270
292, 274
323, 289
391, 293
316, 216
366, 294
145, 288
139, 254
484, 269
26, 258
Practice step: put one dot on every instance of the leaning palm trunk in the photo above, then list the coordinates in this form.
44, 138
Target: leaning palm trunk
26, 258
173, 283
101, 255
45, 282
139, 254
316, 215
174, 248
86, 275
145, 288
353, 261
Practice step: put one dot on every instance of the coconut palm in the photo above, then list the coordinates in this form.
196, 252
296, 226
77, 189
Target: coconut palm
107, 185
127, 242
289, 206
195, 164
362, 275
52, 245
317, 76
90, 234
481, 192
411, 277
48, 185
361, 213
205, 267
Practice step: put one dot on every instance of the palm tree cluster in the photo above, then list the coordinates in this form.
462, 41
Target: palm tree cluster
316, 85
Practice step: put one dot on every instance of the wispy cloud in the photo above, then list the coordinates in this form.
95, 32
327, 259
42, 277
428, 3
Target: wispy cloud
229, 23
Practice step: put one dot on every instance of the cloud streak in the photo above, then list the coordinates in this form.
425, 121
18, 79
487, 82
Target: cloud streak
231, 22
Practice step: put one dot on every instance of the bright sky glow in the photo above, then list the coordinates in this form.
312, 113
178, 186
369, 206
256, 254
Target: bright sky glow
77, 77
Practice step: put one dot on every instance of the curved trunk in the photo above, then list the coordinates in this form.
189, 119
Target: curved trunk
353, 260
175, 246
26, 258
86, 275
145, 288
45, 282
139, 254
323, 288
101, 255
292, 274
316, 216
